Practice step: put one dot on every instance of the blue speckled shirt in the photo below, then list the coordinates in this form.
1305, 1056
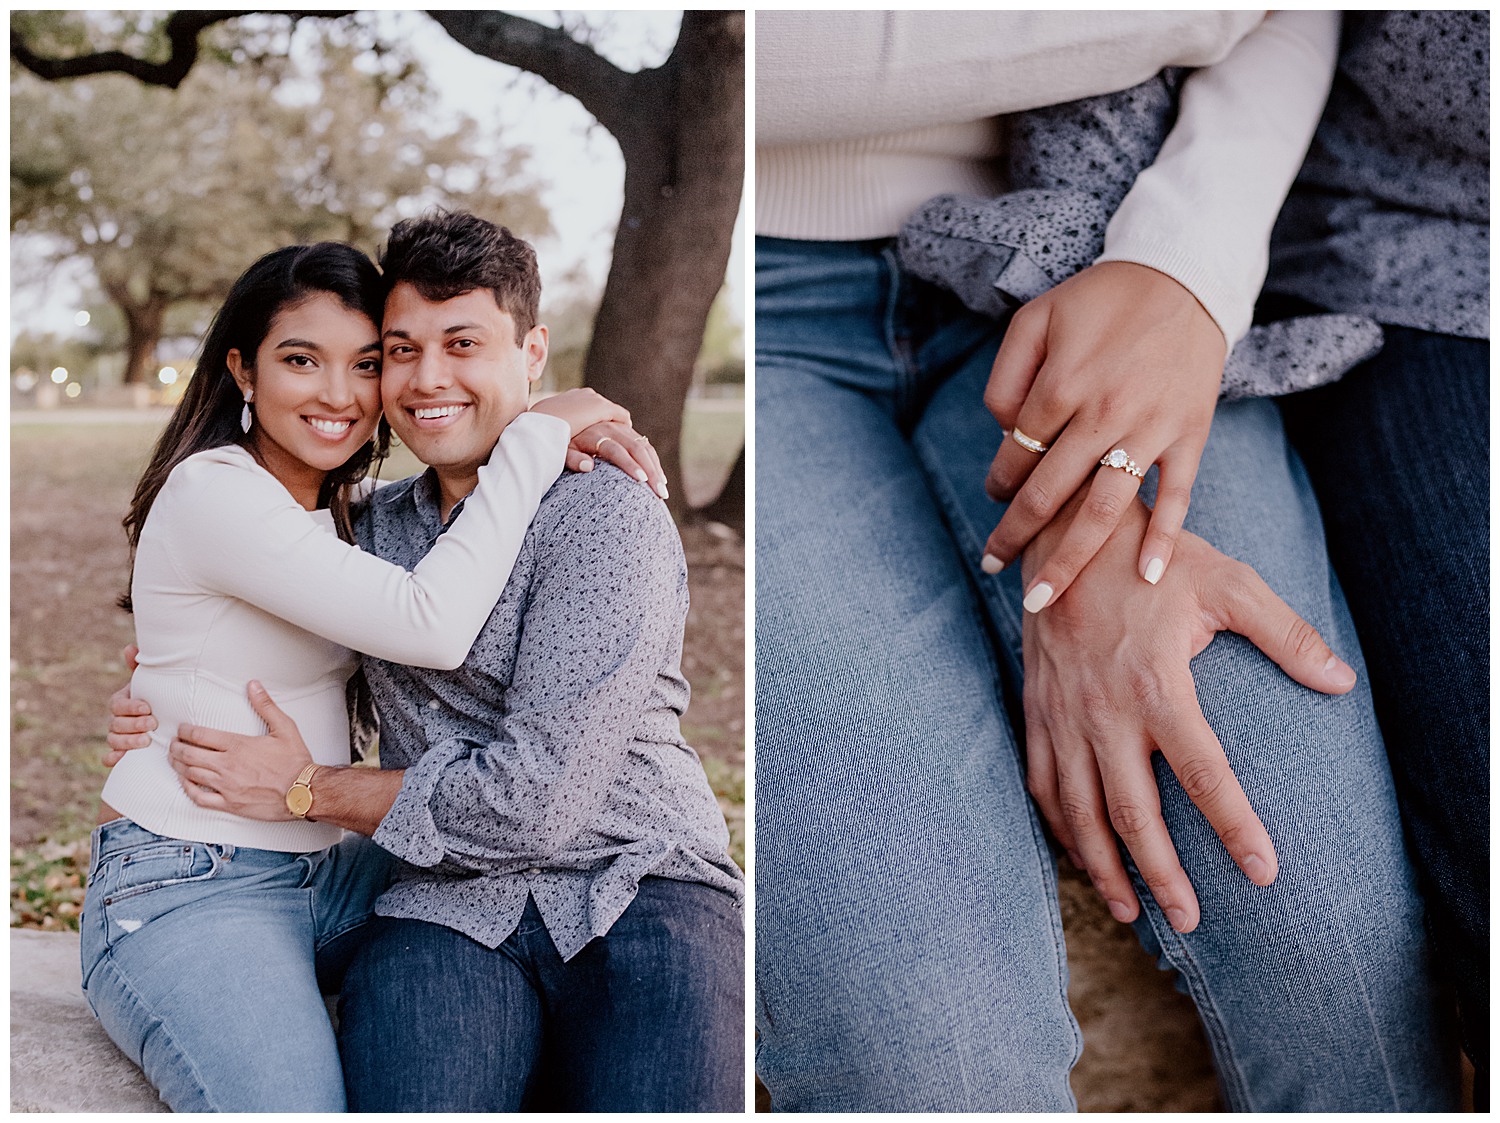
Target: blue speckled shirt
1390, 216
551, 764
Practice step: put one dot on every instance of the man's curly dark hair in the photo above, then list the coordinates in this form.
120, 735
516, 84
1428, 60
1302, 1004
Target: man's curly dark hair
444, 254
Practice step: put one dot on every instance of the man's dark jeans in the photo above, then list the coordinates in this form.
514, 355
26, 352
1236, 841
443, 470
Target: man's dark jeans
1398, 452
649, 1017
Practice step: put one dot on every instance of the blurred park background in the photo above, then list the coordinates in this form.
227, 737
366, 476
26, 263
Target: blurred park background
155, 155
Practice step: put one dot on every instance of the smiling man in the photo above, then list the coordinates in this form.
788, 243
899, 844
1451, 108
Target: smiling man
563, 929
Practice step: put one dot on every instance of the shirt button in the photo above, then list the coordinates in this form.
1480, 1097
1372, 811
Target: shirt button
433, 704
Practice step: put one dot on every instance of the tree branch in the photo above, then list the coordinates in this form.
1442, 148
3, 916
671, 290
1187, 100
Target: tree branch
182, 33
551, 54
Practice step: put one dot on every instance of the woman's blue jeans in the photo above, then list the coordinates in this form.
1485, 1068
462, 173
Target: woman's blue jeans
202, 963
909, 949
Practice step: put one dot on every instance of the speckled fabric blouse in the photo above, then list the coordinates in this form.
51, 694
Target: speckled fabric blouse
551, 764
1390, 214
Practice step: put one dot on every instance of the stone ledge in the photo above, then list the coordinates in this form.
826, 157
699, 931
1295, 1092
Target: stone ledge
60, 1058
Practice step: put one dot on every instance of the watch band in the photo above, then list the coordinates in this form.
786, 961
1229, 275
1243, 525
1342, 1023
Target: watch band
299, 796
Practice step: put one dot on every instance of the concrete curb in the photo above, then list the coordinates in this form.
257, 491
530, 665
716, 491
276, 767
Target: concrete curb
60, 1057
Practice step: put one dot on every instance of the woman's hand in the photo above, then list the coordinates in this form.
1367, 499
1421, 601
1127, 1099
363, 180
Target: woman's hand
1117, 357
241, 774
1107, 683
601, 429
623, 447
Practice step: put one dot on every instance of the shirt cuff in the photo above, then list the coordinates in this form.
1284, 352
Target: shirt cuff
409, 830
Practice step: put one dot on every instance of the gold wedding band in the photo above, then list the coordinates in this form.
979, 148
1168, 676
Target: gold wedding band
598, 448
1030, 444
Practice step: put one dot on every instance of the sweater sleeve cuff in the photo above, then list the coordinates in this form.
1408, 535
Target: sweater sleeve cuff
1221, 300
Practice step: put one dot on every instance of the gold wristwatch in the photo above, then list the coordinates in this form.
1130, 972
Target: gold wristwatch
299, 796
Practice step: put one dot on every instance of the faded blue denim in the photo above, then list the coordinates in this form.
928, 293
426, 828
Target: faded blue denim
202, 962
909, 947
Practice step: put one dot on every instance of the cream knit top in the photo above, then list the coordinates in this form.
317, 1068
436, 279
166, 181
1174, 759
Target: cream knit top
234, 580
860, 117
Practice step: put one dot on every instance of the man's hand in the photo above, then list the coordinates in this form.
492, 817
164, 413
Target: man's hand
130, 722
241, 774
1107, 683
130, 725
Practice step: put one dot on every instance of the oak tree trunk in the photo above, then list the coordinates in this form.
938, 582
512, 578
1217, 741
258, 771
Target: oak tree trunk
684, 173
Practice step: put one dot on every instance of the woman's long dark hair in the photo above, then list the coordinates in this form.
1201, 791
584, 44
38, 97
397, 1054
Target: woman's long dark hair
209, 414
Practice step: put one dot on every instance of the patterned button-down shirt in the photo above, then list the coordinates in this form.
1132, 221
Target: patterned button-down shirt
550, 764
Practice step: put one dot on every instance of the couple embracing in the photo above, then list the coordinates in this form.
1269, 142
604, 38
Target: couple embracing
530, 903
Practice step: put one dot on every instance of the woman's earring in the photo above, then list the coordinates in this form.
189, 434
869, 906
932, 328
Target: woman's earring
245, 419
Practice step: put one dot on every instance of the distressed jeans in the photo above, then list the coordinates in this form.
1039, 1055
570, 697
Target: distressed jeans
909, 949
203, 963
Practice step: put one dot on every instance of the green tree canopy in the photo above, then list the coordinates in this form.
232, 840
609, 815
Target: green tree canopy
170, 194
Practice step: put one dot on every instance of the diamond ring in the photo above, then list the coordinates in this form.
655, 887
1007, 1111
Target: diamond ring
1030, 444
1119, 458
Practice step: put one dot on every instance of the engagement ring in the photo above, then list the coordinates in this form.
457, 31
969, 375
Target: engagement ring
1119, 458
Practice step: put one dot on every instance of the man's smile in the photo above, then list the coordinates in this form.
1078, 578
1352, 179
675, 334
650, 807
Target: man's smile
437, 416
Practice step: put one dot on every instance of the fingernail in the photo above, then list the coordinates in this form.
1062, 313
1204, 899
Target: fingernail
1037, 599
1178, 919
661, 489
1338, 672
585, 465
1154, 569
257, 687
991, 564
640, 475
153, 722
1256, 869
1120, 911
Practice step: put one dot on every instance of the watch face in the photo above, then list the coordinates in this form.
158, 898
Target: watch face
299, 800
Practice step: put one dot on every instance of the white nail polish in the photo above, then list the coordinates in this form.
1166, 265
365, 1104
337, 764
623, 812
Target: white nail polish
1154, 569
1037, 599
991, 564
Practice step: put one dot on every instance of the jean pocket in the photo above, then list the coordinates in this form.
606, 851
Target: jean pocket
147, 881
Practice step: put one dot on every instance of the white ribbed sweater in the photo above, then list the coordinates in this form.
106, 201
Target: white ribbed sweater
863, 116
234, 580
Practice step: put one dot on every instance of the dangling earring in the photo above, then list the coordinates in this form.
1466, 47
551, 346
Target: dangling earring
245, 418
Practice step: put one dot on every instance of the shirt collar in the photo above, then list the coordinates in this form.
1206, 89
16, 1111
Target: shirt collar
427, 497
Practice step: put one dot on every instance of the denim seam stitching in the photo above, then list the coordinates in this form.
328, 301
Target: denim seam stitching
1177, 952
160, 1026
901, 357
952, 510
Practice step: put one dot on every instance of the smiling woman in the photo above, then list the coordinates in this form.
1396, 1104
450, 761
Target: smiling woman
315, 382
196, 927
